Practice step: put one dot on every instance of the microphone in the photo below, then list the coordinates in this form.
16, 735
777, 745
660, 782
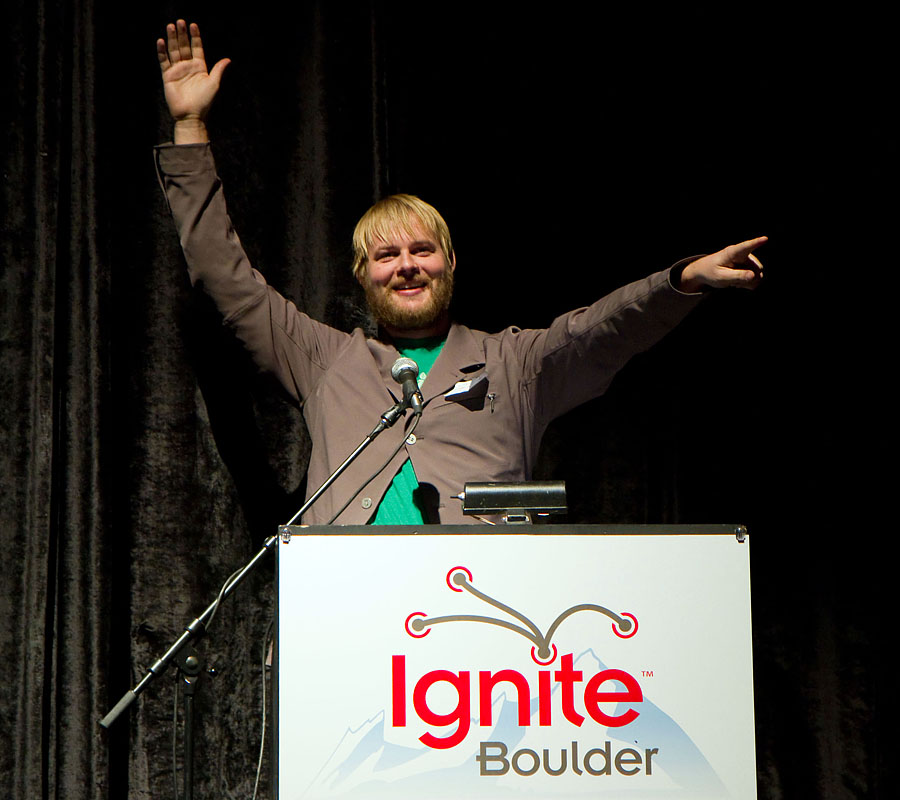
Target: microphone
405, 371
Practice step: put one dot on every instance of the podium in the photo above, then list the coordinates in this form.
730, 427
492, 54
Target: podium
533, 661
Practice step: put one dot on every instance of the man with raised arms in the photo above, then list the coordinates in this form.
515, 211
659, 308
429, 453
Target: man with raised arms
487, 398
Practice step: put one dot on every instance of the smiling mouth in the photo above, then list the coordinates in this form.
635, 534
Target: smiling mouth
410, 289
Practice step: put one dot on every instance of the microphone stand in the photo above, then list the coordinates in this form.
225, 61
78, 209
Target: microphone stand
190, 663
388, 418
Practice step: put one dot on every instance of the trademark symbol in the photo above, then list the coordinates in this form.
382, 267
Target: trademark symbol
647, 673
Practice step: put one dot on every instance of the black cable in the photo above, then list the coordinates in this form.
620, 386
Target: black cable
262, 742
175, 736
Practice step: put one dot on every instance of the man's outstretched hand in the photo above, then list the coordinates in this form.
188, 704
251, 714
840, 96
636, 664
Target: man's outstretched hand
189, 88
734, 266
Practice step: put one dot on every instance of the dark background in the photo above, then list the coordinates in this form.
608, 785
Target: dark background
571, 150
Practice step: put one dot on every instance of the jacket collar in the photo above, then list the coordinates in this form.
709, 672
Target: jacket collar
461, 356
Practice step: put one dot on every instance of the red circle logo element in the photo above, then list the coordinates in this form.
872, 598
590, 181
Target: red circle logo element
408, 626
450, 574
539, 661
618, 632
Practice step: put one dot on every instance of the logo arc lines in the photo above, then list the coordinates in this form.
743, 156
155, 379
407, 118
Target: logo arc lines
527, 629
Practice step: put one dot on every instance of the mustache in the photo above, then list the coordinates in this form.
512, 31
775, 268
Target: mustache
388, 310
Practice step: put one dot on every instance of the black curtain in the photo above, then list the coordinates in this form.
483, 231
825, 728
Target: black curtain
571, 150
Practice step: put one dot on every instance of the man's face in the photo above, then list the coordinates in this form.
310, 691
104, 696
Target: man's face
409, 283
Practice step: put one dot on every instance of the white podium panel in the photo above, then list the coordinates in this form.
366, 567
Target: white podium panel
536, 665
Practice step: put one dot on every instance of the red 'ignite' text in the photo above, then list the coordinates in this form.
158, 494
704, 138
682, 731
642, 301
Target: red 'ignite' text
566, 676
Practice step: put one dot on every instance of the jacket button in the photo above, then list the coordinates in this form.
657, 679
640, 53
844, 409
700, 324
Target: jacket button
367, 502
411, 439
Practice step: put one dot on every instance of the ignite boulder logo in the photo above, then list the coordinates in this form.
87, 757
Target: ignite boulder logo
611, 698
625, 674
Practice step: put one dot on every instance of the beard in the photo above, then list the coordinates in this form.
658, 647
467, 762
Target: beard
390, 312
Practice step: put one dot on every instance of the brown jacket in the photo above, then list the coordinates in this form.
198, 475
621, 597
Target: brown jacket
489, 430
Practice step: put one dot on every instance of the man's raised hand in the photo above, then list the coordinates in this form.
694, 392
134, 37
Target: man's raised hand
734, 266
189, 88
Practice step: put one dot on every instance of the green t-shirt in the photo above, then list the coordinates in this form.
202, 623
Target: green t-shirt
401, 503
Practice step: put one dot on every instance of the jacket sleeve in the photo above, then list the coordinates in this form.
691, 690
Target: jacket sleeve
577, 357
282, 340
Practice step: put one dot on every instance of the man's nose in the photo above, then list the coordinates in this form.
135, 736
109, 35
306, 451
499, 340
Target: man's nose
407, 263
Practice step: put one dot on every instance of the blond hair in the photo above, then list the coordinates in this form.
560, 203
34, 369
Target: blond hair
393, 212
